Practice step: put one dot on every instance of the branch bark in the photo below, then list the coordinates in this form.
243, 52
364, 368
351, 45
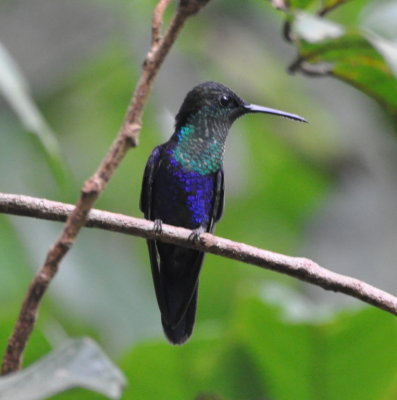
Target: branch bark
300, 268
127, 138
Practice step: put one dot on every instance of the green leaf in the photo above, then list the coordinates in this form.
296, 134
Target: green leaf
79, 362
386, 48
350, 56
15, 89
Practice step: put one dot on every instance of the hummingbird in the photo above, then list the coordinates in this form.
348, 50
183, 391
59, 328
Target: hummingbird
183, 185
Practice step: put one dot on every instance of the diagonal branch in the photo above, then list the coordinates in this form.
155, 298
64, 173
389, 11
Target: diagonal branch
157, 21
92, 188
300, 268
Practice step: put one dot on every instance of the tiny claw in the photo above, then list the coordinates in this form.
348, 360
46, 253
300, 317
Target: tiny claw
158, 226
195, 235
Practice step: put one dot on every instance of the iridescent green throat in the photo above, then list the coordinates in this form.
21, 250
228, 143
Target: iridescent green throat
200, 145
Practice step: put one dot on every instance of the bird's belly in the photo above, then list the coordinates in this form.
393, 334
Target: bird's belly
183, 198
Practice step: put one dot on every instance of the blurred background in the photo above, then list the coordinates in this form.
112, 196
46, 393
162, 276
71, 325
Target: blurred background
324, 190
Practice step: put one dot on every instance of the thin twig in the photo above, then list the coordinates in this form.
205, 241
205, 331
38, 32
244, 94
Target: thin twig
157, 21
313, 70
323, 11
127, 138
301, 268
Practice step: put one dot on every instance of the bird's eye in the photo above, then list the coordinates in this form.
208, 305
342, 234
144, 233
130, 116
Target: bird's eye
224, 100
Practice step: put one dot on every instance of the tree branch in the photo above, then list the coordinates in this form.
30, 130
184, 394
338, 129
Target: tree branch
301, 268
127, 138
157, 21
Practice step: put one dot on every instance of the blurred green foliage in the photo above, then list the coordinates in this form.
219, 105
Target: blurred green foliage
364, 60
277, 175
260, 355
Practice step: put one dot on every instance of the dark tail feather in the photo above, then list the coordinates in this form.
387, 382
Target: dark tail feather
181, 333
176, 282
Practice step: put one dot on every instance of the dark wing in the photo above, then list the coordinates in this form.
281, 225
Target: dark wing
217, 209
147, 184
146, 207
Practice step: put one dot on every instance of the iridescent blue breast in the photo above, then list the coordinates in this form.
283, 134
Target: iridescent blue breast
182, 197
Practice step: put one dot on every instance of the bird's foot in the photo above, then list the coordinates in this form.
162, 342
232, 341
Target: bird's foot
195, 235
158, 226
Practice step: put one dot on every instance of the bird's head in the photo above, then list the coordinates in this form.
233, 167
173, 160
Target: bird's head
216, 102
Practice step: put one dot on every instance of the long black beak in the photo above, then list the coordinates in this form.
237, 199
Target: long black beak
253, 108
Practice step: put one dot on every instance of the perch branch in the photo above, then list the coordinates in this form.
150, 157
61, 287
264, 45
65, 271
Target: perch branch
127, 138
301, 268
